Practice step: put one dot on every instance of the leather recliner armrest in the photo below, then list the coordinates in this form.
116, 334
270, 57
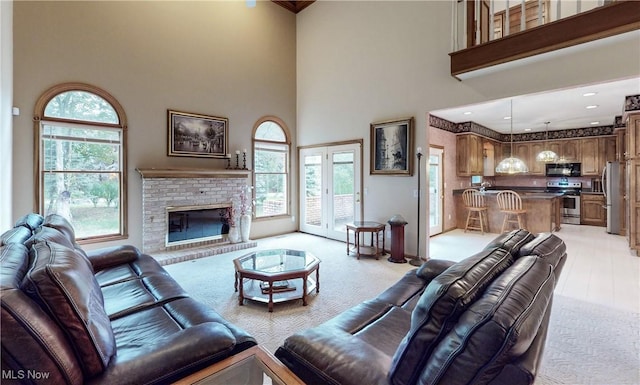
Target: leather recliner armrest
111, 256
432, 268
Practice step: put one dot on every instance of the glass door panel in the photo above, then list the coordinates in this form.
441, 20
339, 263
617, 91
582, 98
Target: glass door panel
436, 198
345, 199
330, 189
311, 192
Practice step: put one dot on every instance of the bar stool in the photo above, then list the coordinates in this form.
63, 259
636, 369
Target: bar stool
476, 210
510, 204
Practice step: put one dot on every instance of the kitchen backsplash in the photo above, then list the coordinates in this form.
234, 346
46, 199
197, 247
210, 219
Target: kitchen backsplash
533, 181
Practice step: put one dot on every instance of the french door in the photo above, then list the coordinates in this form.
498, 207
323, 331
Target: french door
330, 181
436, 196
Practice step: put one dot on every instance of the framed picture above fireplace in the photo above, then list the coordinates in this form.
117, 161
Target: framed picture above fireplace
197, 135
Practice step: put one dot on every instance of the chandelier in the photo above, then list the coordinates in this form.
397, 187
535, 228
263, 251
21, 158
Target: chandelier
511, 165
547, 156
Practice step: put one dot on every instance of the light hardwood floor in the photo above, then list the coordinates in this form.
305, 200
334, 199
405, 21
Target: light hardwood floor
599, 267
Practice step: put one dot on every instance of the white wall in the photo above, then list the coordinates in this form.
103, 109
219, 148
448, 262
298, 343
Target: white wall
6, 91
215, 58
361, 62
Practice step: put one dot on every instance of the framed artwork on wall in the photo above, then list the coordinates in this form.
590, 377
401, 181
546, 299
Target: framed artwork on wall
392, 147
197, 135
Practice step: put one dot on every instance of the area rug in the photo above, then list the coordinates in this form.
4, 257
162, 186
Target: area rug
586, 344
590, 344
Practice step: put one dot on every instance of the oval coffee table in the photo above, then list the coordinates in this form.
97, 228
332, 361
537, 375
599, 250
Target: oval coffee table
277, 275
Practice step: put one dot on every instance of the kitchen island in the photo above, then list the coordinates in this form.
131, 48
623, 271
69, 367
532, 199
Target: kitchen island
544, 210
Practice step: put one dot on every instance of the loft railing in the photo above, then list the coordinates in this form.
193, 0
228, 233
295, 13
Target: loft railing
489, 32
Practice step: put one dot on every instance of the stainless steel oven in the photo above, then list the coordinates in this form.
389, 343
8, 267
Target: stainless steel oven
571, 209
570, 199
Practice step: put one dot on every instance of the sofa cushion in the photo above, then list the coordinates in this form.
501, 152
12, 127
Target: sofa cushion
161, 344
61, 224
404, 292
62, 282
548, 247
444, 299
112, 256
352, 348
133, 295
16, 235
31, 221
511, 241
497, 328
30, 338
44, 233
142, 266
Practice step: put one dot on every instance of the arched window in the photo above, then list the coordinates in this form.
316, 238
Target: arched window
81, 160
271, 151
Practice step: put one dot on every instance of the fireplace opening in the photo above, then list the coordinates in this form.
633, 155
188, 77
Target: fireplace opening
192, 224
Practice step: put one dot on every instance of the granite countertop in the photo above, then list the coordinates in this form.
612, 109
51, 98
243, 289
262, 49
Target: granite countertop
525, 192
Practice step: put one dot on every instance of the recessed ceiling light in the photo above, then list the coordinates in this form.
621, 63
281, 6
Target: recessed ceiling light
591, 106
589, 94
468, 112
507, 117
527, 129
594, 123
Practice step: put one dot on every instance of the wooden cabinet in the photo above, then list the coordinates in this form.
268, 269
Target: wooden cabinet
607, 151
592, 210
621, 145
592, 152
590, 157
535, 167
571, 150
522, 151
568, 150
596, 152
469, 157
633, 136
633, 183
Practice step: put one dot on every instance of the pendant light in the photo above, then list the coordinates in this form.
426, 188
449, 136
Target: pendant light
511, 165
547, 156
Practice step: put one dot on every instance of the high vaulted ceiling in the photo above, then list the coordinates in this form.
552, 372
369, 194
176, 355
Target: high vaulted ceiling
294, 6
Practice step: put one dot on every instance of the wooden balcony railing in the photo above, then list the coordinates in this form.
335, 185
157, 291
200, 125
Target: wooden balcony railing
531, 28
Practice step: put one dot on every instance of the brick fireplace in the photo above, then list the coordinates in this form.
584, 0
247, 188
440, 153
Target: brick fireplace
164, 189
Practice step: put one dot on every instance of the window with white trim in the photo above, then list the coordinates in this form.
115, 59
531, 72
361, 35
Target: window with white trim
271, 151
81, 160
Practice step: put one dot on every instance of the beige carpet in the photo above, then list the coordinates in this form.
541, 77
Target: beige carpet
579, 349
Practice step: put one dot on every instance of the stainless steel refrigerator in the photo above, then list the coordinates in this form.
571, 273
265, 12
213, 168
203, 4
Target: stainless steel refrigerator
613, 194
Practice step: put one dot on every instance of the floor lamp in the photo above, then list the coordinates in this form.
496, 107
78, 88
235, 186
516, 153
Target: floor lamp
417, 261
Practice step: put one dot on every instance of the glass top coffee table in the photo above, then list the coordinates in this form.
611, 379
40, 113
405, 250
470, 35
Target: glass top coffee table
277, 275
252, 366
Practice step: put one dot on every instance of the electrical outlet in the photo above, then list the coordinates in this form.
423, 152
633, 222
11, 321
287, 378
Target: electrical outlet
449, 216
415, 193
535, 182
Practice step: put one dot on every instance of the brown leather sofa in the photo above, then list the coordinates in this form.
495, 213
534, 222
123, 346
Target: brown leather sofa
479, 321
110, 316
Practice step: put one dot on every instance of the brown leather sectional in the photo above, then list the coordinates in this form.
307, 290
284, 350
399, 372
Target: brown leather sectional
110, 316
483, 320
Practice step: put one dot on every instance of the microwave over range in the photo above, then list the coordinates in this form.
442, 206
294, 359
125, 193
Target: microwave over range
563, 169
